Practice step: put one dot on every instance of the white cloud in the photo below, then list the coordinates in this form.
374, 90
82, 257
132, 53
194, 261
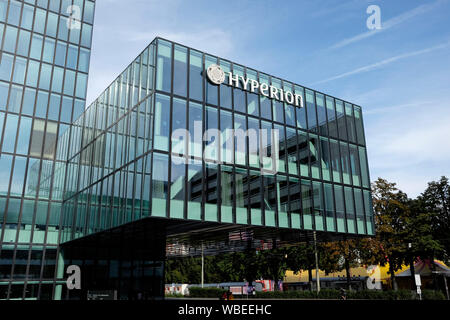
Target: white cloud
215, 41
384, 62
410, 146
389, 23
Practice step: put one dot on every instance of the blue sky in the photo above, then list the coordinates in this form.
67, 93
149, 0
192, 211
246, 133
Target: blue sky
399, 74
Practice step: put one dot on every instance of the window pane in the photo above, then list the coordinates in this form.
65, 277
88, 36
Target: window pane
340, 213
195, 76
179, 138
351, 130
24, 135
359, 125
307, 204
341, 120
37, 138
177, 187
318, 205
241, 196
159, 185
180, 71
239, 94
211, 213
331, 114
329, 206
163, 75
225, 90
195, 121
311, 111
194, 191
211, 89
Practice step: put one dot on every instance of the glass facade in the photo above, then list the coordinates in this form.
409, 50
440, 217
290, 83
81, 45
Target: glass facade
144, 168
44, 63
162, 143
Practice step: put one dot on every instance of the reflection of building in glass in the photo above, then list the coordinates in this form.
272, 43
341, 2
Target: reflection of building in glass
130, 183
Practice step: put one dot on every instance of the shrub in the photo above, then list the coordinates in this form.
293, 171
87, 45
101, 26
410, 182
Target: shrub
432, 295
197, 292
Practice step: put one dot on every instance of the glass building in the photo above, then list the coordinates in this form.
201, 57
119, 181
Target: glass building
44, 62
133, 178
163, 158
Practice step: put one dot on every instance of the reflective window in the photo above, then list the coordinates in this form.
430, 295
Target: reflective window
359, 208
227, 137
283, 201
314, 156
180, 71
335, 160
10, 38
265, 102
270, 200
318, 205
195, 129
351, 130
227, 194
179, 138
9, 138
162, 122
159, 185
211, 135
359, 125
364, 167
329, 206
325, 158
211, 196
15, 98
345, 162
331, 115
303, 153
340, 212
24, 135
238, 93
240, 144
321, 114
164, 69
195, 75
195, 191
37, 138
255, 197
177, 187
225, 90
17, 181
291, 151
241, 178
341, 120
311, 111
24, 42
350, 209
6, 64
301, 111
354, 162
5, 171
211, 89
307, 204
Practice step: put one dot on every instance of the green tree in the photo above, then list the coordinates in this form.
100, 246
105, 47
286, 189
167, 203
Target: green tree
391, 219
301, 257
435, 201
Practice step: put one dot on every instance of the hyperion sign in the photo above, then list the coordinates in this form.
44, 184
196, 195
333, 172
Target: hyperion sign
217, 76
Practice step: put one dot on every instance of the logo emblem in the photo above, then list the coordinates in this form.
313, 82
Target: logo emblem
215, 74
